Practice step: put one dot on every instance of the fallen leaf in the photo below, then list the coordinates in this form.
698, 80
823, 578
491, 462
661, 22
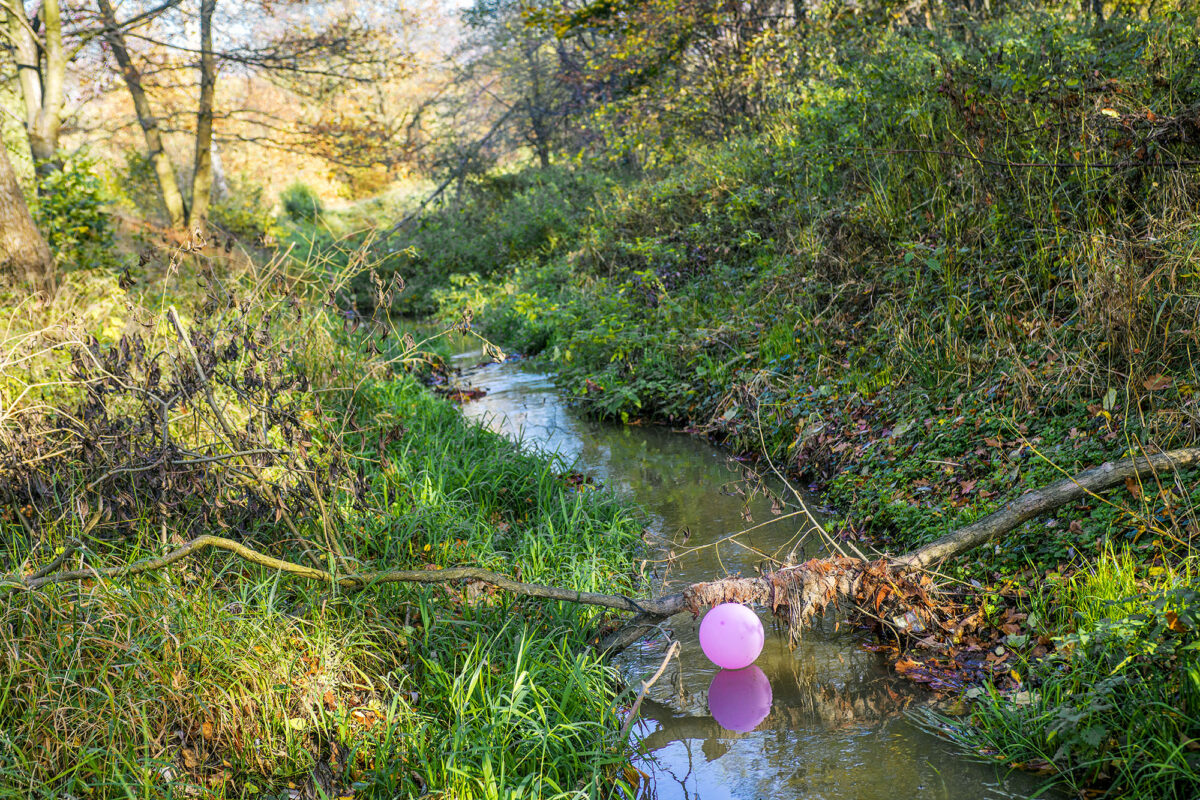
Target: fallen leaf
1157, 382
1134, 488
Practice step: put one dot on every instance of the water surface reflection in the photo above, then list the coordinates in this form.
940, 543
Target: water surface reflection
740, 699
824, 720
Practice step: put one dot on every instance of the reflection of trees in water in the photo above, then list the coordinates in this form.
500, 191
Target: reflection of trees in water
535, 419
802, 705
825, 706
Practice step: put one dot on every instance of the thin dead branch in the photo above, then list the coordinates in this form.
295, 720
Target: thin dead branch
646, 684
897, 591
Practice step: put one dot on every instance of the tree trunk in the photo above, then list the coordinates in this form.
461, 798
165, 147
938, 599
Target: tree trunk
220, 183
41, 73
45, 141
202, 175
1042, 501
539, 124
168, 184
24, 255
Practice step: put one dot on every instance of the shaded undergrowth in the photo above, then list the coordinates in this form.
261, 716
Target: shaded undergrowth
949, 272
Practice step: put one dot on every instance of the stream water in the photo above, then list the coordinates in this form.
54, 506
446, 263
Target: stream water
821, 721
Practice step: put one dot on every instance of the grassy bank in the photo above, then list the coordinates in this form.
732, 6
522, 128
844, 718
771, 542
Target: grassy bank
1113, 708
949, 273
215, 677
950, 270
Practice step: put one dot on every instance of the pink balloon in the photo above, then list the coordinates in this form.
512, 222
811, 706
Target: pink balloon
731, 636
739, 699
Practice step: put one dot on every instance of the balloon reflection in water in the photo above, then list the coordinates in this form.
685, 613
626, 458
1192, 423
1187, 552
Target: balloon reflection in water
739, 699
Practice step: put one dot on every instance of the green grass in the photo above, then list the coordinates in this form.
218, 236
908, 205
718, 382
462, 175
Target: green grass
218, 678
235, 679
925, 335
1115, 706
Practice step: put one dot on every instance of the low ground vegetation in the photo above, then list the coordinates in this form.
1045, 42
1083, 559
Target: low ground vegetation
131, 426
939, 265
951, 270
923, 326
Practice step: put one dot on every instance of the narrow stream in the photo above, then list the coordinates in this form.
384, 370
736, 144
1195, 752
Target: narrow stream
829, 726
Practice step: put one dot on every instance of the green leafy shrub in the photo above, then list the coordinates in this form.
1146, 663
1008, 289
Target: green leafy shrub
71, 211
137, 185
301, 203
497, 222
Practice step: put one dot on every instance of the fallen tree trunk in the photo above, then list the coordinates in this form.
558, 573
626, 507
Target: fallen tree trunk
659, 607
795, 593
1045, 500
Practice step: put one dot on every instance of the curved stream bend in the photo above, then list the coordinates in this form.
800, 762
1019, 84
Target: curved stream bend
828, 727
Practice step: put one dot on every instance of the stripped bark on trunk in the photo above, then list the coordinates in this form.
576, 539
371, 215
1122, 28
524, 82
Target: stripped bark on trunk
25, 257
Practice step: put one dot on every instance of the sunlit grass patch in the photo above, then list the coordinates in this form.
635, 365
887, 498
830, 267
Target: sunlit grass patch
1116, 705
222, 678
214, 677
186, 679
